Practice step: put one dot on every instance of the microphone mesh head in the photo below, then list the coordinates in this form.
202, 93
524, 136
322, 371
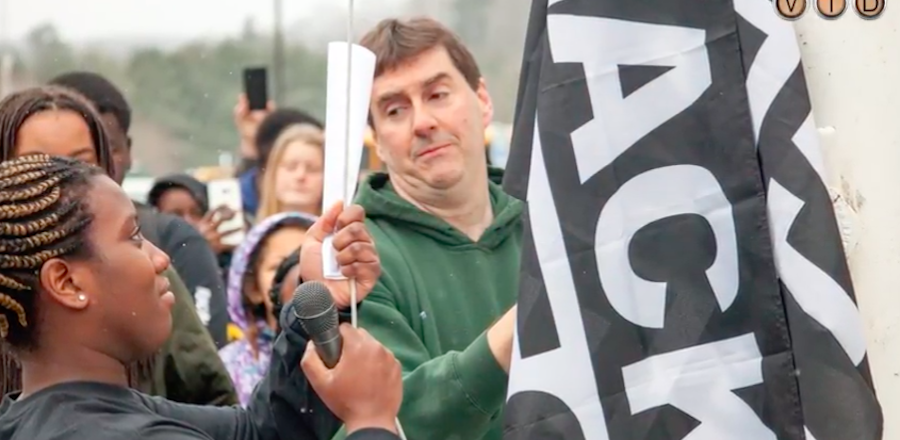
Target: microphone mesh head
314, 308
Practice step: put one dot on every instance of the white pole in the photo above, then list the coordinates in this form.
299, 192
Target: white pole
852, 70
6, 60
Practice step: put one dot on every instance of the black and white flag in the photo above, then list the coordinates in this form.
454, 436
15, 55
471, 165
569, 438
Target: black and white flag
682, 273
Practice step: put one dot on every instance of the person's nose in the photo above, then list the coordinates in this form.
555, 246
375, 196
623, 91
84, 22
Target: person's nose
301, 174
424, 122
160, 259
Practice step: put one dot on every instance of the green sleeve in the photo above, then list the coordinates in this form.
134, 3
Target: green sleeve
455, 395
188, 367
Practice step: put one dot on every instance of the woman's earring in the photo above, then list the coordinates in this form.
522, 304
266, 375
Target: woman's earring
82, 298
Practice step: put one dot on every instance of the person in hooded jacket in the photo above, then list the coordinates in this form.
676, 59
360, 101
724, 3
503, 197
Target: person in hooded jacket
183, 195
250, 305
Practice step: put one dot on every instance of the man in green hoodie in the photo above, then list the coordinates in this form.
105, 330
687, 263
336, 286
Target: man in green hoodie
449, 238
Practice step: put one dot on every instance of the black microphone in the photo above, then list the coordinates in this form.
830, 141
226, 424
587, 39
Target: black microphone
314, 308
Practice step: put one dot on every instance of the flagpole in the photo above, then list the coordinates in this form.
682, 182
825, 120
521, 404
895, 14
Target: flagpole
6, 59
851, 70
347, 169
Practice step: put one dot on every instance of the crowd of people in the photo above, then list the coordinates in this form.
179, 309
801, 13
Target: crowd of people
139, 320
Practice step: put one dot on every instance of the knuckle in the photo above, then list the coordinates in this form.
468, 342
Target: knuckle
357, 249
356, 230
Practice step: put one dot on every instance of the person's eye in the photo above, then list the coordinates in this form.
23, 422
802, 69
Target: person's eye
137, 236
394, 111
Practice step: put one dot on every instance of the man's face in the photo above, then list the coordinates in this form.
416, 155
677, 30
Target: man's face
120, 146
428, 122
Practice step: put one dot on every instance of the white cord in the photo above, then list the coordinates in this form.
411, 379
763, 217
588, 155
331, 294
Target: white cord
353, 301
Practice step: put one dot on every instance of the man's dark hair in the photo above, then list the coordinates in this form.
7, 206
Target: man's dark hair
395, 41
275, 123
101, 92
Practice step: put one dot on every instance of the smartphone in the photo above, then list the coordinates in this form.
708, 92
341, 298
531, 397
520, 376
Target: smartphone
227, 193
256, 87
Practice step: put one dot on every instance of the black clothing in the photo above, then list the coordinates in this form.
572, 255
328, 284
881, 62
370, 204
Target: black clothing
283, 407
195, 262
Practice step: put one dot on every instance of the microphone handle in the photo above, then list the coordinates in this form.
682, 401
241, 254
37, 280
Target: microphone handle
329, 345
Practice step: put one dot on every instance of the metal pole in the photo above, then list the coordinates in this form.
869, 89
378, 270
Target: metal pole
278, 86
6, 59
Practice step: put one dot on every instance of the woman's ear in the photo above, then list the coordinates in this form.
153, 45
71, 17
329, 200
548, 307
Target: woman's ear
65, 281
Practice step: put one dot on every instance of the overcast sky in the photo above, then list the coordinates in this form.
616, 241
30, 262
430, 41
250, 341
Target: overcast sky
80, 20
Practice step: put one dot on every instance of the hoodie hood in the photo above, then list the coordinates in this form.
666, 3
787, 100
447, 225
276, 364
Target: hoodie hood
241, 259
183, 181
381, 202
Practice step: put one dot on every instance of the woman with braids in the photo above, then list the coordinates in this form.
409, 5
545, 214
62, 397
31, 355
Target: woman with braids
60, 122
82, 295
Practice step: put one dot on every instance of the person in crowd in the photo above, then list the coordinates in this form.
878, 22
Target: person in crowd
285, 282
58, 121
294, 173
191, 256
448, 236
182, 195
249, 282
258, 130
83, 294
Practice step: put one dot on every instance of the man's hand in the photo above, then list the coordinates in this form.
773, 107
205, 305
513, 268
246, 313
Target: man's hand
247, 123
365, 388
500, 338
356, 254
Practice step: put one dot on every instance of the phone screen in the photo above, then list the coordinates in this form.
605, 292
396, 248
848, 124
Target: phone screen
256, 87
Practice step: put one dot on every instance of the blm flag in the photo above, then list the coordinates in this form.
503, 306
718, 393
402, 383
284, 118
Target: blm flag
682, 272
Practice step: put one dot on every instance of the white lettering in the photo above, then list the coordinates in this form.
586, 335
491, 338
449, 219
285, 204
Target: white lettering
648, 197
699, 381
566, 372
620, 122
774, 63
818, 294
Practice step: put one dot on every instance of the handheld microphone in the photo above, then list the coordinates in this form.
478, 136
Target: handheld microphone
314, 308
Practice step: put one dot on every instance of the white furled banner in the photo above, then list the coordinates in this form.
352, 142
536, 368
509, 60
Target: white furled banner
682, 273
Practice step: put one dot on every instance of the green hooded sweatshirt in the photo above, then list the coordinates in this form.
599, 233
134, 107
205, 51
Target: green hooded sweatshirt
438, 294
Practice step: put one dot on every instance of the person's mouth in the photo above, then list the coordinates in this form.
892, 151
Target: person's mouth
432, 149
165, 287
165, 293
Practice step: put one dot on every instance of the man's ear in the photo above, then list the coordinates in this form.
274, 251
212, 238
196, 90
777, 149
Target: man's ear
484, 100
378, 149
62, 281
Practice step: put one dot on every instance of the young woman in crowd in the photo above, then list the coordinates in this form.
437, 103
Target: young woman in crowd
250, 280
60, 122
82, 295
293, 175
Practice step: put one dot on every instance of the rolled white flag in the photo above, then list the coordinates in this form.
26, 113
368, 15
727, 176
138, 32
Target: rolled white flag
346, 114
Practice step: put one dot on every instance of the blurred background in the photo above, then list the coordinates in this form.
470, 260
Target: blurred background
179, 61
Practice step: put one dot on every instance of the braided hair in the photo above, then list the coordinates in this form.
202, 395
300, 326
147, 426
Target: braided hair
43, 215
16, 108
